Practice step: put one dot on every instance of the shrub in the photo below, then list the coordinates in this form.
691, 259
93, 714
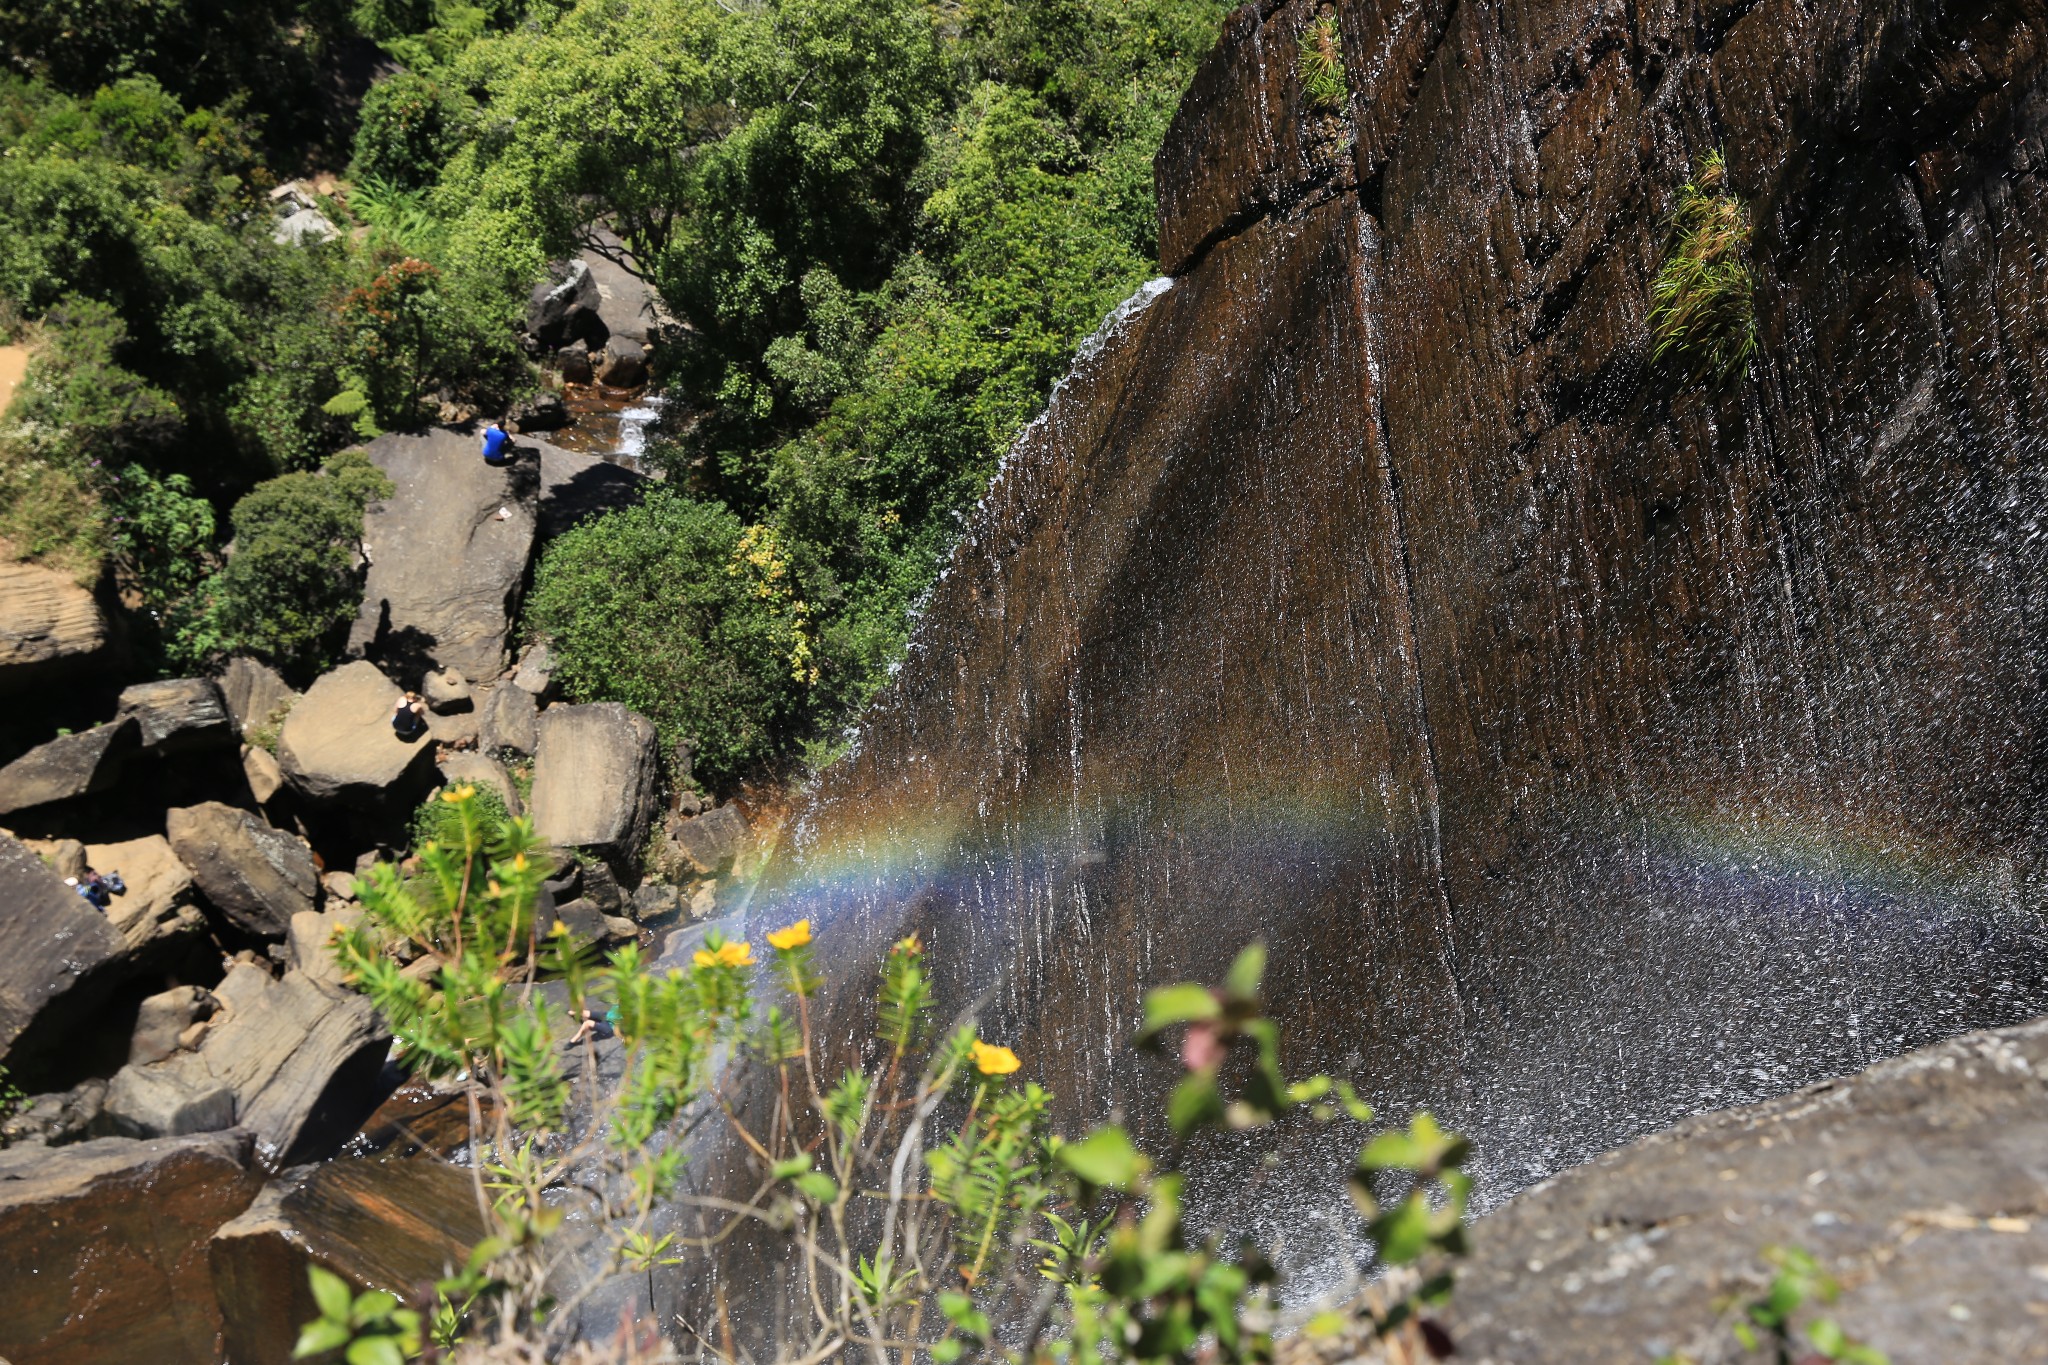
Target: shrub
439, 819
1322, 64
687, 615
1704, 314
923, 1191
292, 578
407, 127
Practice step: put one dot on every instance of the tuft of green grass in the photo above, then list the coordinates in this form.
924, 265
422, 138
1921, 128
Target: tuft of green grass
1703, 314
1322, 64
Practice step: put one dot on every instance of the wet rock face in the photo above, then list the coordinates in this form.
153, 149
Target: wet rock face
1592, 747
104, 1248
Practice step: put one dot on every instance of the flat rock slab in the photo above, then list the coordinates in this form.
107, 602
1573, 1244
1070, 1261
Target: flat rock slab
257, 876
68, 766
179, 715
593, 779
445, 566
104, 1248
388, 1225
157, 907
48, 625
61, 957
1921, 1183
574, 488
338, 745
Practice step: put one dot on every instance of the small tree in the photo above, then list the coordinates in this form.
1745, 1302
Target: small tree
401, 345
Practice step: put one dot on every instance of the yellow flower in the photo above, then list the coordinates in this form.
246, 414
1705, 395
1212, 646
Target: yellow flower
795, 936
991, 1060
728, 955
453, 794
519, 862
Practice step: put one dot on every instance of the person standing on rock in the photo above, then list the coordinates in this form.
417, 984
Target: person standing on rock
409, 719
497, 445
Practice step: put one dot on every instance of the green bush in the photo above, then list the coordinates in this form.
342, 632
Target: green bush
687, 615
407, 125
292, 578
439, 819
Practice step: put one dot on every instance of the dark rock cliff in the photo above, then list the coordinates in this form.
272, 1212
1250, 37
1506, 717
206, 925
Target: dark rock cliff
1593, 747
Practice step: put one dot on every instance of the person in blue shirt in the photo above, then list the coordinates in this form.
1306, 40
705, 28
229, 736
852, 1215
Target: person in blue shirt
497, 445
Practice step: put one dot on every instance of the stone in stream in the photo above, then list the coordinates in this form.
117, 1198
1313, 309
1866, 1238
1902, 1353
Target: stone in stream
164, 1019
593, 779
68, 766
178, 715
257, 876
623, 364
255, 694
51, 629
62, 959
447, 552
337, 745
153, 1101
542, 411
390, 1225
104, 1248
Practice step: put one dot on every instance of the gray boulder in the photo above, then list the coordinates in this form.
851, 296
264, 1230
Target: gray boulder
164, 1019
564, 308
155, 916
61, 959
308, 946
257, 876
447, 692
623, 364
629, 306
593, 779
337, 744
103, 1248
447, 554
178, 715
544, 411
575, 488
66, 857
167, 1101
307, 226
706, 844
256, 696
263, 773
573, 361
510, 720
481, 770
57, 1119
656, 901
536, 672
68, 766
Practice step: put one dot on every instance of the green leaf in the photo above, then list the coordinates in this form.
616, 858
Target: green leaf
1196, 1103
818, 1187
1106, 1157
1181, 1004
946, 1350
1404, 1234
1247, 972
790, 1169
374, 1351
1746, 1335
375, 1306
1827, 1337
331, 1292
319, 1336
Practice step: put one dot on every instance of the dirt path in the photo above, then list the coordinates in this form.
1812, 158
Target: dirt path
13, 363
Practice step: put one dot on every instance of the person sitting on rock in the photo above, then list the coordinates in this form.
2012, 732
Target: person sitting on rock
409, 718
497, 445
593, 1027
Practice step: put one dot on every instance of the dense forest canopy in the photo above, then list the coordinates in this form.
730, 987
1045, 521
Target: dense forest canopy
883, 225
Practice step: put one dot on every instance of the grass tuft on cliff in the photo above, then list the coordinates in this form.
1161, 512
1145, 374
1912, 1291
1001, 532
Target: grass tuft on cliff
1322, 64
1703, 318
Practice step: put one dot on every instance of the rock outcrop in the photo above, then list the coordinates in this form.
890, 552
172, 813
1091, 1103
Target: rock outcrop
447, 556
1586, 740
255, 695
594, 772
104, 1248
390, 1225
704, 845
178, 715
61, 959
574, 487
509, 720
257, 876
337, 745
155, 916
68, 766
564, 308
50, 628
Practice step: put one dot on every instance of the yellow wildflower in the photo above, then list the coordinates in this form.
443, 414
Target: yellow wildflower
728, 955
795, 936
991, 1060
454, 794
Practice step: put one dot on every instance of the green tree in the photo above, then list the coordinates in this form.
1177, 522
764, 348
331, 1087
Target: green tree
406, 128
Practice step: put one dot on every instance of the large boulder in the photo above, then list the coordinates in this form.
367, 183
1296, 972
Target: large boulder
301, 1060
447, 554
68, 766
1918, 1183
61, 959
481, 770
178, 715
257, 696
151, 1101
338, 745
593, 779
565, 308
257, 876
705, 845
623, 364
155, 916
49, 626
389, 1225
104, 1248
627, 303
576, 487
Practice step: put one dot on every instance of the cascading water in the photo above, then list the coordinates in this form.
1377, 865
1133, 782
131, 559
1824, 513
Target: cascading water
1592, 746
